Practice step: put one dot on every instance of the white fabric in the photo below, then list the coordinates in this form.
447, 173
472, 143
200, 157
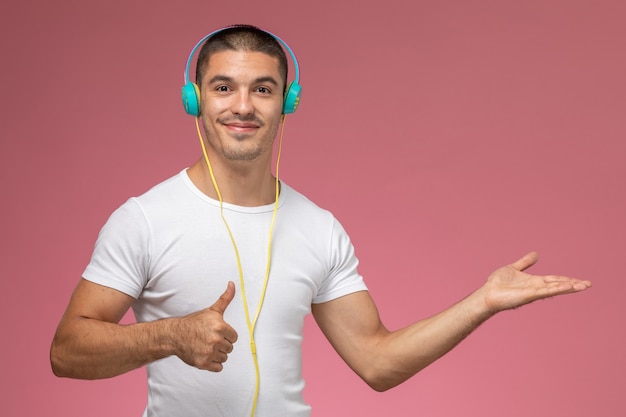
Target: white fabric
170, 250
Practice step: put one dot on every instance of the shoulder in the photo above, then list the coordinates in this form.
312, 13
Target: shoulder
295, 199
174, 184
161, 201
171, 195
304, 214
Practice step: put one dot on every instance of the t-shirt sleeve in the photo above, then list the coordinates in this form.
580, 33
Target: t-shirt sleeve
121, 253
343, 277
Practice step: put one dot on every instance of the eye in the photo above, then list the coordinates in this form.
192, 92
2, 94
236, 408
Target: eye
222, 88
264, 90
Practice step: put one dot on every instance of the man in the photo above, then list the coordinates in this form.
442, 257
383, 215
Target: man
222, 263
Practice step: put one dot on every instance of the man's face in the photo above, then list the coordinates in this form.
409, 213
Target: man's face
241, 104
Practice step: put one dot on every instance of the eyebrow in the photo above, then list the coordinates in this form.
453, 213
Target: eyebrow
225, 78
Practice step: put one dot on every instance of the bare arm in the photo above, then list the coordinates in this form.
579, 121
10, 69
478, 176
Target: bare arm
91, 344
385, 359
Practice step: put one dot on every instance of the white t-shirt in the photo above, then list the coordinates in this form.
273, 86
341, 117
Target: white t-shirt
170, 249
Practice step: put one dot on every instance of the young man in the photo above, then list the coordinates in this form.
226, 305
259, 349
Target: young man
218, 268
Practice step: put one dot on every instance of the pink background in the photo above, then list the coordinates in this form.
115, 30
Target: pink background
449, 138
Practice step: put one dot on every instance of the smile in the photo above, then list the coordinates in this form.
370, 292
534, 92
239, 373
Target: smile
241, 127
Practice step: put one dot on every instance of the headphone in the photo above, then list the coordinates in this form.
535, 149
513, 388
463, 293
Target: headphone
191, 92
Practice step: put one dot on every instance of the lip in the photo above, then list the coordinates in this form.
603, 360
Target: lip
241, 126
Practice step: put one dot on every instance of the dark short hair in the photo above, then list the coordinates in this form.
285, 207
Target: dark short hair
241, 38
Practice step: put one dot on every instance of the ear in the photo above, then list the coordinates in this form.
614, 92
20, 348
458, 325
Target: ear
190, 95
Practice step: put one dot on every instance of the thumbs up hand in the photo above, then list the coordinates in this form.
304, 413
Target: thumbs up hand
204, 339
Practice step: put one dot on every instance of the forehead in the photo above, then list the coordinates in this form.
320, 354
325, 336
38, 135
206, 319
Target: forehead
242, 65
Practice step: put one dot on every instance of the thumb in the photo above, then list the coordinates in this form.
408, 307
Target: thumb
526, 261
222, 303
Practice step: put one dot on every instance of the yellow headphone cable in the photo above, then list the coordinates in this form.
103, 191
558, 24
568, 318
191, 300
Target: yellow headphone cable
251, 323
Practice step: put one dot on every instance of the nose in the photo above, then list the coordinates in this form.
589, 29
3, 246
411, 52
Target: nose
242, 103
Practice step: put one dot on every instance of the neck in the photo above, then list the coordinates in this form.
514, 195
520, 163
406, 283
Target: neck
240, 185
244, 183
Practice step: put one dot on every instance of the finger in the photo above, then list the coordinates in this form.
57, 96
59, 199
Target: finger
576, 284
526, 261
221, 358
231, 337
215, 367
222, 303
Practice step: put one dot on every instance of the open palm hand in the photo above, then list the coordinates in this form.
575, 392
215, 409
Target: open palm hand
510, 287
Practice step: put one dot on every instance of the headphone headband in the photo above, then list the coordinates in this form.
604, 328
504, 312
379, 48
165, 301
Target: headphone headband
191, 93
